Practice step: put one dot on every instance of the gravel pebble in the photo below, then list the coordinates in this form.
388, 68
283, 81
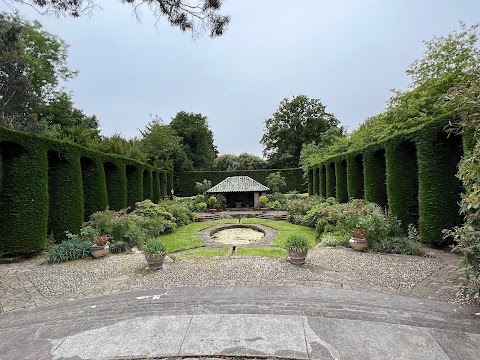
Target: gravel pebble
323, 264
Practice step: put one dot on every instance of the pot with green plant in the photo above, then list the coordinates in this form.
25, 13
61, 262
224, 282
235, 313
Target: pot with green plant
297, 246
154, 251
358, 242
201, 207
262, 202
276, 205
212, 203
100, 247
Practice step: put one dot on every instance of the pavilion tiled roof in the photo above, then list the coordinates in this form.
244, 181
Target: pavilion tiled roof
238, 184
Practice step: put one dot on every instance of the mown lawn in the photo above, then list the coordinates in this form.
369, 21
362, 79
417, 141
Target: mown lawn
184, 237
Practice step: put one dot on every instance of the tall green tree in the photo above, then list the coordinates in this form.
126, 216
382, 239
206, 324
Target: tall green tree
196, 138
117, 144
179, 13
17, 92
297, 121
161, 143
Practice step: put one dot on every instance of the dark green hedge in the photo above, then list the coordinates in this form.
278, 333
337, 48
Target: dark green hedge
402, 180
341, 180
316, 184
134, 185
323, 181
24, 203
48, 185
375, 176
331, 179
94, 186
147, 184
163, 185
65, 194
439, 188
186, 182
355, 180
156, 187
418, 168
116, 178
310, 182
170, 185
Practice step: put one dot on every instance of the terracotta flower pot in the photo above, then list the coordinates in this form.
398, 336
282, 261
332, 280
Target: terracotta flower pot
277, 217
358, 244
297, 258
264, 210
201, 218
213, 211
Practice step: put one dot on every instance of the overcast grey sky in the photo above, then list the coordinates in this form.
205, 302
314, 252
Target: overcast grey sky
347, 53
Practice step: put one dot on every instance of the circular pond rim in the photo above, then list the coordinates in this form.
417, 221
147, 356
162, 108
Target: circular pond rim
269, 234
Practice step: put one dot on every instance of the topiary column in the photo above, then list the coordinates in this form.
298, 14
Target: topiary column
156, 187
375, 176
315, 184
341, 180
355, 180
331, 181
94, 186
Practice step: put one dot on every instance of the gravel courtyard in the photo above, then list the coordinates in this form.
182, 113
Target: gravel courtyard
36, 283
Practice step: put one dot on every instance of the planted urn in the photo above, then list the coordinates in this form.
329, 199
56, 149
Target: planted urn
100, 248
297, 246
154, 251
358, 242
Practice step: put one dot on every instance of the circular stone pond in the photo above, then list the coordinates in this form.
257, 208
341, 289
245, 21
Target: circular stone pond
222, 235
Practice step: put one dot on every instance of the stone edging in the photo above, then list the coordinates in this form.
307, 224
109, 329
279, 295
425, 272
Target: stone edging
269, 233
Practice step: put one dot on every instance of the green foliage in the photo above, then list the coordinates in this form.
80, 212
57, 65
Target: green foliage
134, 184
298, 243
203, 186
180, 211
341, 181
212, 202
156, 195
355, 177
464, 103
72, 249
186, 180
65, 194
154, 247
263, 200
296, 122
162, 144
329, 240
116, 179
396, 245
149, 209
196, 138
402, 184
95, 196
244, 161
375, 176
298, 208
330, 181
23, 202
201, 206
119, 247
276, 182
117, 144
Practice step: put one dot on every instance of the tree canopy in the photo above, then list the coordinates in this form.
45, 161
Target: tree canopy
243, 161
196, 138
183, 14
296, 122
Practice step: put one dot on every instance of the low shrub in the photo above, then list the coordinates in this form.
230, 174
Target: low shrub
179, 210
396, 245
71, 249
201, 206
334, 241
118, 247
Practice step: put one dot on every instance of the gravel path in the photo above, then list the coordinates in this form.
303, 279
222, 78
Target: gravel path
326, 267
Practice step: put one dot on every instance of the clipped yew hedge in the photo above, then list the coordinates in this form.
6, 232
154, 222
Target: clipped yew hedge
315, 181
49, 187
186, 181
330, 179
411, 173
323, 181
341, 180
156, 187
